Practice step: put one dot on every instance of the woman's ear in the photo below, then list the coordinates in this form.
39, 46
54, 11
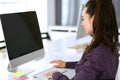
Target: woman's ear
91, 19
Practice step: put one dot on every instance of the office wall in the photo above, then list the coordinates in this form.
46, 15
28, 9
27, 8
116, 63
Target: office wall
51, 12
40, 6
63, 12
116, 4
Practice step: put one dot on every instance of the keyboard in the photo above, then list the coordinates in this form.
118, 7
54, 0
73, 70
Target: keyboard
68, 72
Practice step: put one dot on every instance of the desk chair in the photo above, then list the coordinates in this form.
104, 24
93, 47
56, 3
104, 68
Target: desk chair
45, 35
2, 47
2, 41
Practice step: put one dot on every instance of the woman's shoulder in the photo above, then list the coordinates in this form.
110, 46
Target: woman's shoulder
102, 49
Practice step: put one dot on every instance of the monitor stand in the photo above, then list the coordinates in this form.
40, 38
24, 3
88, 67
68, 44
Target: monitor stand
19, 69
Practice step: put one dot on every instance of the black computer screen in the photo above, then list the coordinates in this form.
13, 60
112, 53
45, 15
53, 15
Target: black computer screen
21, 32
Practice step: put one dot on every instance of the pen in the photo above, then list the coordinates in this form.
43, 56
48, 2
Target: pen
39, 78
63, 71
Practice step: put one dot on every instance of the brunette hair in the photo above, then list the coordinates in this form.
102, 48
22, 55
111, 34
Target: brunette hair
105, 28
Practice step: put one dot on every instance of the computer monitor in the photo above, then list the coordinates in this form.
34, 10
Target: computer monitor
22, 37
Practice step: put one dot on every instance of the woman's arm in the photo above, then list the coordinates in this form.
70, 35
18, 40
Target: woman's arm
88, 71
63, 64
59, 76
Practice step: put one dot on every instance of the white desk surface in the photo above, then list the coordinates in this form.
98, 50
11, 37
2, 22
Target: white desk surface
54, 50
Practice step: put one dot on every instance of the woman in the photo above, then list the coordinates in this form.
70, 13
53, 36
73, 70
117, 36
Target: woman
100, 59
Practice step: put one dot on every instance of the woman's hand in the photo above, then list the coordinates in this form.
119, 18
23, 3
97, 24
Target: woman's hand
49, 74
59, 63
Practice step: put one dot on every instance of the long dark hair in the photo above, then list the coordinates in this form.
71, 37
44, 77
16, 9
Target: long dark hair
105, 28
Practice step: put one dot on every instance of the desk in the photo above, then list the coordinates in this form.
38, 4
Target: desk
53, 50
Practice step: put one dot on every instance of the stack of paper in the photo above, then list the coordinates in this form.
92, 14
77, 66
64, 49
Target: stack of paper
20, 76
77, 48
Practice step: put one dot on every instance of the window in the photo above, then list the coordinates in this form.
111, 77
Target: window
64, 12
